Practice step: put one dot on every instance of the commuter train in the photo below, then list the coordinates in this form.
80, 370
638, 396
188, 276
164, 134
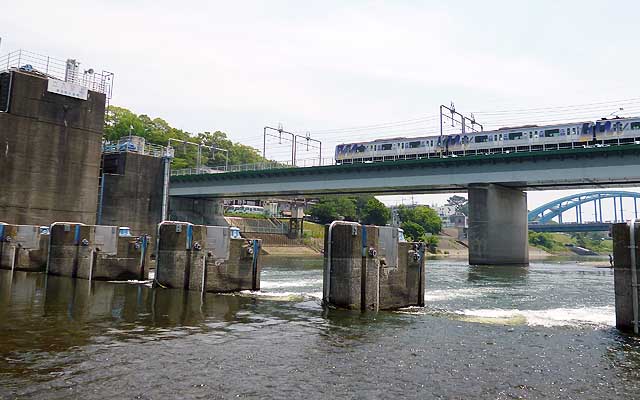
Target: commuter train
604, 132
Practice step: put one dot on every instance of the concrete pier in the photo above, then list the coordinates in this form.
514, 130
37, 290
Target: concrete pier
23, 248
625, 283
206, 259
96, 252
366, 268
497, 226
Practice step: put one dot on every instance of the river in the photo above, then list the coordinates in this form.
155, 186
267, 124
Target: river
541, 332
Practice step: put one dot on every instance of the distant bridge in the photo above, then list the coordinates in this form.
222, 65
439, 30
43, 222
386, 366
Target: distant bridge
549, 217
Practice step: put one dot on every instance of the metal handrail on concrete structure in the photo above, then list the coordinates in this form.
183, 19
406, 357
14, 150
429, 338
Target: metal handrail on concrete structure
52, 68
135, 144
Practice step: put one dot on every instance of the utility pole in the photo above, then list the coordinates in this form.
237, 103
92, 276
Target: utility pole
463, 120
308, 139
279, 136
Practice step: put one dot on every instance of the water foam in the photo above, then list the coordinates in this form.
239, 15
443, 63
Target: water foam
598, 316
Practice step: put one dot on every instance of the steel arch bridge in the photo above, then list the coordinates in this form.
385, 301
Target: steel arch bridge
554, 209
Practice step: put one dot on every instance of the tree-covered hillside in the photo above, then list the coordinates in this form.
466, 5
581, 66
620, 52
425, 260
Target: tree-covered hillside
120, 122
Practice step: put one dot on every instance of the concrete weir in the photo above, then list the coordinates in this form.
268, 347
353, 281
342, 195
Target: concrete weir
23, 248
96, 252
206, 259
497, 226
367, 268
626, 254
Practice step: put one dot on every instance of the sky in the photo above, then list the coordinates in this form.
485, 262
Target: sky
346, 71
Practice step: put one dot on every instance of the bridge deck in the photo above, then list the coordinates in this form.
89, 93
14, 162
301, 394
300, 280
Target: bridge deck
559, 169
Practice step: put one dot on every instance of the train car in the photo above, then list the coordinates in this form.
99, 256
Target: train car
503, 140
617, 131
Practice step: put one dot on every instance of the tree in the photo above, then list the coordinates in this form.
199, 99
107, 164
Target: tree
332, 208
374, 212
120, 122
460, 203
412, 231
424, 216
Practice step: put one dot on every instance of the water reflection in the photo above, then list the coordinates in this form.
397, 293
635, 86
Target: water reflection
501, 274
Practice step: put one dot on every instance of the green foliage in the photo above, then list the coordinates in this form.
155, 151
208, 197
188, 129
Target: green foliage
412, 231
365, 209
374, 212
331, 208
460, 203
544, 240
424, 216
596, 241
120, 122
431, 240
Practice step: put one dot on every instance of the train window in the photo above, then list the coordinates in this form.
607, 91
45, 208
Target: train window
431, 142
387, 146
481, 138
551, 132
495, 137
414, 145
530, 135
635, 126
515, 135
573, 130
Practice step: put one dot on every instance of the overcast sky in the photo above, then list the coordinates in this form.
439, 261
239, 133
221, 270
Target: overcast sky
346, 71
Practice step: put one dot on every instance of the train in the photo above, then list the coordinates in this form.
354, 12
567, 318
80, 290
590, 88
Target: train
604, 132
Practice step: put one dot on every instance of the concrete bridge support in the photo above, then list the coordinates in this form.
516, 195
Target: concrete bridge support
199, 211
366, 268
626, 254
497, 226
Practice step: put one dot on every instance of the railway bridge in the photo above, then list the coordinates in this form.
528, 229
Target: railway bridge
495, 184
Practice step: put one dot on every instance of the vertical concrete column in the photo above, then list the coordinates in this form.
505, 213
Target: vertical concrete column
69, 253
497, 226
370, 273
343, 266
180, 255
626, 311
8, 247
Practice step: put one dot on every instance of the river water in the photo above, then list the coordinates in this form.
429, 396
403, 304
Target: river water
546, 331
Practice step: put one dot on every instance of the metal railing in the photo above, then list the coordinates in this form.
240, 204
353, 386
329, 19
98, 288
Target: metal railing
135, 145
315, 162
49, 67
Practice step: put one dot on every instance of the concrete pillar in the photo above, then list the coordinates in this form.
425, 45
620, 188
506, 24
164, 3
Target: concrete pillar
367, 269
95, 252
623, 274
497, 226
206, 259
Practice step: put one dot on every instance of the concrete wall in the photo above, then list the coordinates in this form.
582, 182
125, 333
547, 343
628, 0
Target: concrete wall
359, 277
23, 253
50, 154
622, 274
198, 211
132, 192
497, 226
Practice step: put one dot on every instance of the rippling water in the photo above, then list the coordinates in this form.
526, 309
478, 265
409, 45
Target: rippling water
542, 332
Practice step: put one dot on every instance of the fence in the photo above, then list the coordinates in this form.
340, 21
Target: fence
135, 145
68, 71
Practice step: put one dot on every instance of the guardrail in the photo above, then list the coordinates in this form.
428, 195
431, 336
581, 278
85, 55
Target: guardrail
49, 67
128, 146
